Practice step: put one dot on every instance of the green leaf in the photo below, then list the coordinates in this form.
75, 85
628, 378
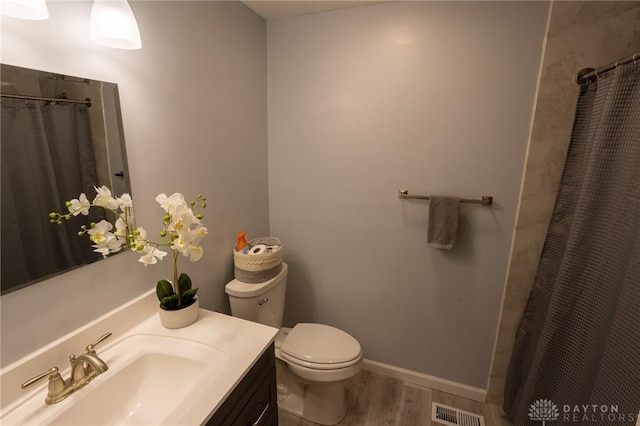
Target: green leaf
188, 296
184, 283
170, 302
164, 289
165, 302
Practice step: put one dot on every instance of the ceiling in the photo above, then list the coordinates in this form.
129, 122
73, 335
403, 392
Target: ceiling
282, 9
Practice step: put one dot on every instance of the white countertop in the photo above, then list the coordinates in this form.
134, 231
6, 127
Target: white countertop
243, 342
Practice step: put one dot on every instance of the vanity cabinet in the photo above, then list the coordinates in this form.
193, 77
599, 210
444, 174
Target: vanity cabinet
254, 400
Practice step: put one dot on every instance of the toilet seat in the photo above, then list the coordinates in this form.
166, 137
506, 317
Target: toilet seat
320, 347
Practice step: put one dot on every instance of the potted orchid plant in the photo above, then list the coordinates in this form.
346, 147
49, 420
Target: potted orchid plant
182, 233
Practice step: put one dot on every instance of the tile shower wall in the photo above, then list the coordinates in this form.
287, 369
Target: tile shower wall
434, 97
580, 35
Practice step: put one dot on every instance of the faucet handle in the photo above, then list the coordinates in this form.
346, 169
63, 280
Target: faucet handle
91, 346
52, 373
57, 386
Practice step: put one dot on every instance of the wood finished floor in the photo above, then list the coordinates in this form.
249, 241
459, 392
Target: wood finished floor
373, 399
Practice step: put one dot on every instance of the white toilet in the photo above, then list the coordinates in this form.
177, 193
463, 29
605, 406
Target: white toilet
314, 360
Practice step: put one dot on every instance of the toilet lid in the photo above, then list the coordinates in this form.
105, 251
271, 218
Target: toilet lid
320, 344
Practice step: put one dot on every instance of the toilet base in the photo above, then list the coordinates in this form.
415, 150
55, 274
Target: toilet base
318, 403
290, 403
321, 404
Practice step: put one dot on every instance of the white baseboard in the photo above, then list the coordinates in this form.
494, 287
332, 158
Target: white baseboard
427, 381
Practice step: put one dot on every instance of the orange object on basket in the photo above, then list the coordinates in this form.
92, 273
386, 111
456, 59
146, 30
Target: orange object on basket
242, 241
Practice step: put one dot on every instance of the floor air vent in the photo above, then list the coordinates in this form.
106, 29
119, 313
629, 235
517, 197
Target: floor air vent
454, 417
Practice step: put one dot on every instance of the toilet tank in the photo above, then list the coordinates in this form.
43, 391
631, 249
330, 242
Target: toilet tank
259, 302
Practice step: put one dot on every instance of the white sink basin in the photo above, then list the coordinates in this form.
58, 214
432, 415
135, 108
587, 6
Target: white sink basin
156, 376
150, 377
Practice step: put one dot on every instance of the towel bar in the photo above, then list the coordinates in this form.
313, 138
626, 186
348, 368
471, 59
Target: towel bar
486, 200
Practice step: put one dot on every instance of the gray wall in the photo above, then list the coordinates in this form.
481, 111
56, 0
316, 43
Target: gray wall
194, 110
434, 97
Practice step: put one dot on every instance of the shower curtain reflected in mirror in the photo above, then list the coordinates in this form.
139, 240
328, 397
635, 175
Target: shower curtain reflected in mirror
47, 158
578, 342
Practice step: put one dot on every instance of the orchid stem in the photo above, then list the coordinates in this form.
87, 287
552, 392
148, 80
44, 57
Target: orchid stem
175, 275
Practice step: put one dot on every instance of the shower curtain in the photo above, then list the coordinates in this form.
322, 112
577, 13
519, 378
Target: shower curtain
47, 157
577, 353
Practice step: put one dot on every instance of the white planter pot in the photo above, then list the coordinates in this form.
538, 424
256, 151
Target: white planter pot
181, 317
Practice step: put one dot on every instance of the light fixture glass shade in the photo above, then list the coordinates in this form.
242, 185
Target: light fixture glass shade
25, 9
113, 25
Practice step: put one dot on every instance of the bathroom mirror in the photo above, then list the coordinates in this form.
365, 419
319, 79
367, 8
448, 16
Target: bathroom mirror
60, 136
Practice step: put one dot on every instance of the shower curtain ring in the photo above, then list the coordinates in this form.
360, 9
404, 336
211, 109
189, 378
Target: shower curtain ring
634, 57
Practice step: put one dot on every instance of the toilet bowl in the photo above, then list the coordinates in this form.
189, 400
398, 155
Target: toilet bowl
313, 360
313, 363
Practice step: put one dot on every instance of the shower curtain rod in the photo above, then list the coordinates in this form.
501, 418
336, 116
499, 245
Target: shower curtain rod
70, 79
587, 75
87, 101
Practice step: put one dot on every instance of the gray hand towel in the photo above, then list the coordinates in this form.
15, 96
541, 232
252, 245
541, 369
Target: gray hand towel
443, 221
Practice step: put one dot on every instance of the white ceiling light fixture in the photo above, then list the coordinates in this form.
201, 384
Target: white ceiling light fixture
25, 9
113, 25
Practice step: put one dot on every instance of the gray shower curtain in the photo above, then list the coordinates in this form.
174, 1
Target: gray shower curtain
577, 354
47, 157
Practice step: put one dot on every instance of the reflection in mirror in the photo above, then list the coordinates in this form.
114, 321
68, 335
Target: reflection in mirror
60, 136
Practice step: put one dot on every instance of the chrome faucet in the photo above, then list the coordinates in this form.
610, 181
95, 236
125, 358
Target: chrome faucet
84, 368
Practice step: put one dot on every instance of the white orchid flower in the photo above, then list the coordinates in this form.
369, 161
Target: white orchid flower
140, 237
182, 231
201, 232
103, 250
169, 203
151, 255
98, 234
114, 244
180, 244
79, 205
105, 241
121, 228
182, 219
194, 253
125, 201
104, 198
193, 235
141, 233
